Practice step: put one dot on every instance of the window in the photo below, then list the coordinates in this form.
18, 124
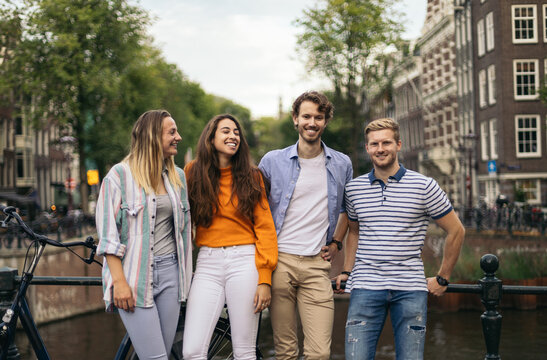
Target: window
489, 140
489, 31
492, 84
527, 136
493, 139
524, 24
18, 126
526, 79
482, 88
545, 23
484, 141
531, 190
480, 37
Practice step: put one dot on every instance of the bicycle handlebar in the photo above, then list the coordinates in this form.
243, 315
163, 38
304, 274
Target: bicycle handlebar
11, 213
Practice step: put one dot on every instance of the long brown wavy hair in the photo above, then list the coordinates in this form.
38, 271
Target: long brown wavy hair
204, 176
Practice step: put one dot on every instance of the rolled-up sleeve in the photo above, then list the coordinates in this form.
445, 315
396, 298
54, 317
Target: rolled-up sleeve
106, 216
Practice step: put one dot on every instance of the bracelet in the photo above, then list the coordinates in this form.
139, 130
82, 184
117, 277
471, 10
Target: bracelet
348, 273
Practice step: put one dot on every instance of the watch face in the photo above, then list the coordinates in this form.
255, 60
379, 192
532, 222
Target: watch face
442, 281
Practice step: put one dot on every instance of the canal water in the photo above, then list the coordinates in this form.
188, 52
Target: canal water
450, 335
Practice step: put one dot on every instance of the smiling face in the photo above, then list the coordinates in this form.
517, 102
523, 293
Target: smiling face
310, 122
170, 137
383, 148
226, 141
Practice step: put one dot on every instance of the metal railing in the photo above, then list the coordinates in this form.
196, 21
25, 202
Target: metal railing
489, 288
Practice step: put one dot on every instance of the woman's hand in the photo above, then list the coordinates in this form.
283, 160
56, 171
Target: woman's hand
123, 296
263, 296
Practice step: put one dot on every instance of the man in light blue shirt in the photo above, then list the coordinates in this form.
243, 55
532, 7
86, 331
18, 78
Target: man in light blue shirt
307, 201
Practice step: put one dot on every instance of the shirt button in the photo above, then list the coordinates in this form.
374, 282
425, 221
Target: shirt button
153, 217
153, 199
152, 232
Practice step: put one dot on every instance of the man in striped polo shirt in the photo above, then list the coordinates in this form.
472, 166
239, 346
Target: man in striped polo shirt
389, 210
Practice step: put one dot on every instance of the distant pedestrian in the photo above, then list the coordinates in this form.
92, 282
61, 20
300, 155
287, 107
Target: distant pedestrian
237, 240
143, 224
389, 210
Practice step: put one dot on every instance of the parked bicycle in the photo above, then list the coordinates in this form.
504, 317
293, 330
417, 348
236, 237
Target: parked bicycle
20, 310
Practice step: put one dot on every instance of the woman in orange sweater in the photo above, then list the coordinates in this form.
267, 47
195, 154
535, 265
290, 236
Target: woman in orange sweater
237, 239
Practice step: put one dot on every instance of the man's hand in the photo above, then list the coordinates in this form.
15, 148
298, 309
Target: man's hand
434, 287
339, 279
329, 251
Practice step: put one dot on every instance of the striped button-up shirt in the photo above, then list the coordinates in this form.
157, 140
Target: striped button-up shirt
125, 218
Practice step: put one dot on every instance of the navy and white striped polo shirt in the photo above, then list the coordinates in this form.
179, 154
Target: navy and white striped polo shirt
393, 220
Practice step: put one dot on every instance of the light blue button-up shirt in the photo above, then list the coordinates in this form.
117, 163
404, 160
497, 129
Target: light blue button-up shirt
281, 168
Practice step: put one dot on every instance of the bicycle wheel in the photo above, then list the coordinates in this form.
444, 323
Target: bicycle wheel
221, 341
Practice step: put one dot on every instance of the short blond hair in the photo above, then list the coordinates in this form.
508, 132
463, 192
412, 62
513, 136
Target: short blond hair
383, 124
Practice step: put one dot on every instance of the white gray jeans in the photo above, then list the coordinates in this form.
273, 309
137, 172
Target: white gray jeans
152, 330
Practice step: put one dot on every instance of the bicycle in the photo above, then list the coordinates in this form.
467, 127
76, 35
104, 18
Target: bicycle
19, 309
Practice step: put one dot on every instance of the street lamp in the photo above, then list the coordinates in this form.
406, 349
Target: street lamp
67, 143
469, 150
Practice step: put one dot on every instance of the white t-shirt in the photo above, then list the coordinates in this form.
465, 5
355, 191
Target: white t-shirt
304, 230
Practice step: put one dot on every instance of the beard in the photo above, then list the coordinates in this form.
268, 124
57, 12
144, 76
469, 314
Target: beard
310, 139
386, 163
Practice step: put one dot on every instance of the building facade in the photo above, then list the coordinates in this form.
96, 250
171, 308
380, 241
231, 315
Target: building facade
440, 158
408, 111
510, 63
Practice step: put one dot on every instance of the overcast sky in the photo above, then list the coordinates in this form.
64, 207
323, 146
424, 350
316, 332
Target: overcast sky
244, 50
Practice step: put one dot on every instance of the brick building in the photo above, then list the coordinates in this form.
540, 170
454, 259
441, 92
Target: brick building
510, 63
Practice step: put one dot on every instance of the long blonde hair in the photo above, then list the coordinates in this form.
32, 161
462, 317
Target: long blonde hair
145, 158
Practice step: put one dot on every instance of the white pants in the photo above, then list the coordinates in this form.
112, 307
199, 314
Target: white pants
223, 275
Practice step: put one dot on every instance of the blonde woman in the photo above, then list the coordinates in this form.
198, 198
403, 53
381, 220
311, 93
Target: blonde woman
143, 223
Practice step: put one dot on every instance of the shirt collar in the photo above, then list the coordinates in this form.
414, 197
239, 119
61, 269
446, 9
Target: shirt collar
293, 153
398, 175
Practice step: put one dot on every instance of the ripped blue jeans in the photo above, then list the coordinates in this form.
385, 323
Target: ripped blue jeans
366, 317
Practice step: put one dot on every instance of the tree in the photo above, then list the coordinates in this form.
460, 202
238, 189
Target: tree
345, 41
75, 53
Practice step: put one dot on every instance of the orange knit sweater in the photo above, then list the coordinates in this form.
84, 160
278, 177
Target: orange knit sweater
230, 228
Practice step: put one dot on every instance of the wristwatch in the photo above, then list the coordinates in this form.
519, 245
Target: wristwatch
442, 281
338, 244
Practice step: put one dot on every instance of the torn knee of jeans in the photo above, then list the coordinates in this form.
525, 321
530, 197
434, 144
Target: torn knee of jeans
417, 328
355, 323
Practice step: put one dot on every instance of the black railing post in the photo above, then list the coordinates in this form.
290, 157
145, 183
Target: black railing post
7, 294
490, 297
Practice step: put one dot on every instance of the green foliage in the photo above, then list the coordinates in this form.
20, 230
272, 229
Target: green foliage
344, 41
89, 66
273, 133
515, 264
519, 265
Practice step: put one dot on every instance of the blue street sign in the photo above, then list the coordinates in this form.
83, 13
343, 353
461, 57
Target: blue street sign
492, 168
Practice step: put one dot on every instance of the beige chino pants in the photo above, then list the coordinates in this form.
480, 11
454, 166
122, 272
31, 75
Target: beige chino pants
302, 282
